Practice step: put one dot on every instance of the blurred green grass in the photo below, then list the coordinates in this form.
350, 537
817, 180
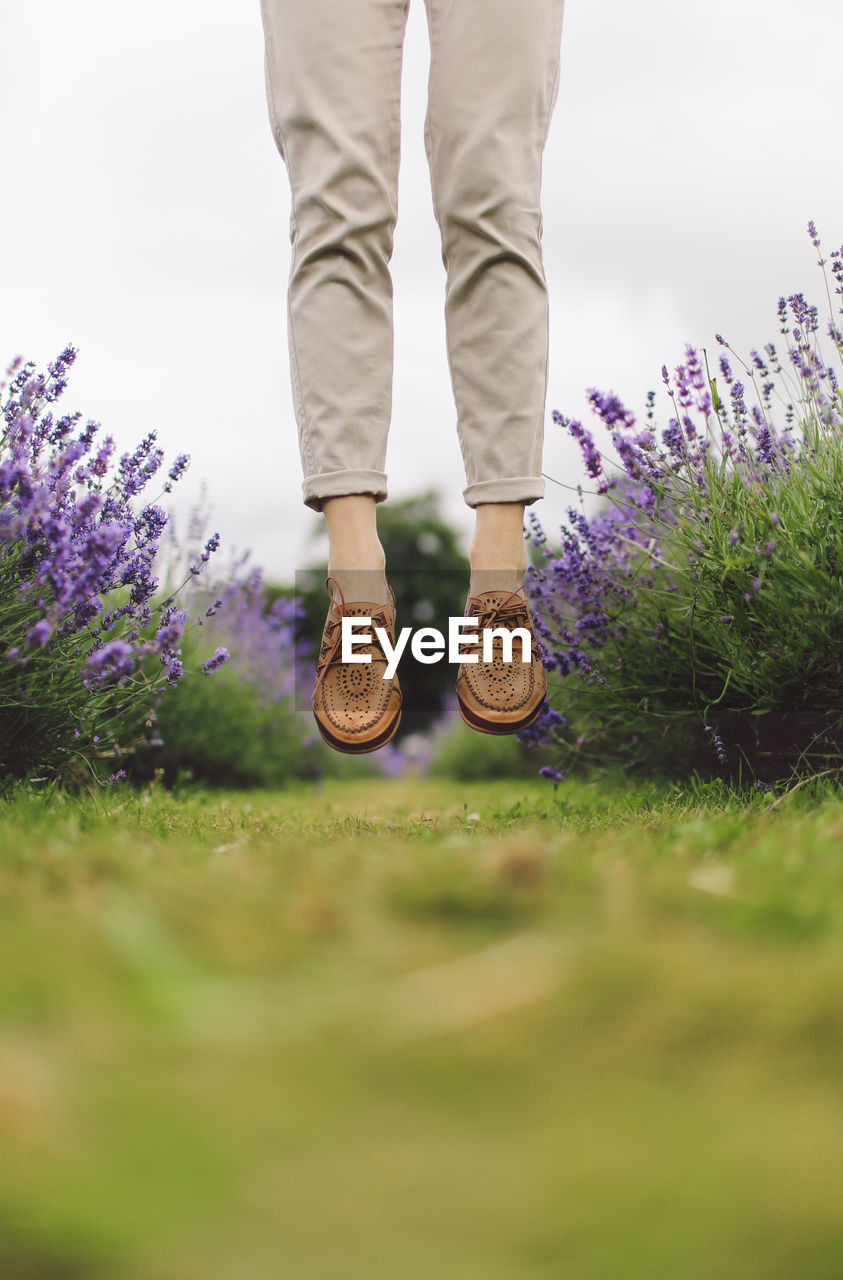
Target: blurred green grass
401, 1030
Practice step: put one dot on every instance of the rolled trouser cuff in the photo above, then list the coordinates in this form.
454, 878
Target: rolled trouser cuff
336, 484
510, 489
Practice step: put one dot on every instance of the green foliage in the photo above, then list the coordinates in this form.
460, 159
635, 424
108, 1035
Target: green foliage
462, 753
45, 705
748, 643
220, 729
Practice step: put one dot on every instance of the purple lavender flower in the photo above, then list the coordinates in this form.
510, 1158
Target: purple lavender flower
590, 452
39, 634
78, 560
177, 470
610, 410
213, 664
109, 662
174, 666
588, 590
717, 743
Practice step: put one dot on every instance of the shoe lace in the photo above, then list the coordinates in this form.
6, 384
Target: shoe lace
512, 611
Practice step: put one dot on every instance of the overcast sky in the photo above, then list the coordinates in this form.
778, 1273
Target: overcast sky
144, 214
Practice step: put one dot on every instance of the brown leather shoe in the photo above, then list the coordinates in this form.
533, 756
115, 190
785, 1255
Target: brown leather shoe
498, 696
355, 708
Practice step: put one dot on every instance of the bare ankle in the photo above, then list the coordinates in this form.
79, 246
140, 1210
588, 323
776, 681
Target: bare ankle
356, 558
495, 579
497, 554
361, 584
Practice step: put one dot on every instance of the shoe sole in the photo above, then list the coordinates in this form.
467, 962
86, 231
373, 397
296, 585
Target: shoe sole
486, 726
371, 744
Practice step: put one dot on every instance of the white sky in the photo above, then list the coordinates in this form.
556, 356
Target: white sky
144, 217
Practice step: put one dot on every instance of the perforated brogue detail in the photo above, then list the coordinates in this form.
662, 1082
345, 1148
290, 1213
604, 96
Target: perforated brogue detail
500, 696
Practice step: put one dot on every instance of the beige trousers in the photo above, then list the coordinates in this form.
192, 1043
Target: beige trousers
333, 80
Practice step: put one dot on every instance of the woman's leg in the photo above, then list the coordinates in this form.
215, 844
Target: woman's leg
333, 78
493, 85
494, 77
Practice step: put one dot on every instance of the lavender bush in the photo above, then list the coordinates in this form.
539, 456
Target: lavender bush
87, 640
695, 623
240, 727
